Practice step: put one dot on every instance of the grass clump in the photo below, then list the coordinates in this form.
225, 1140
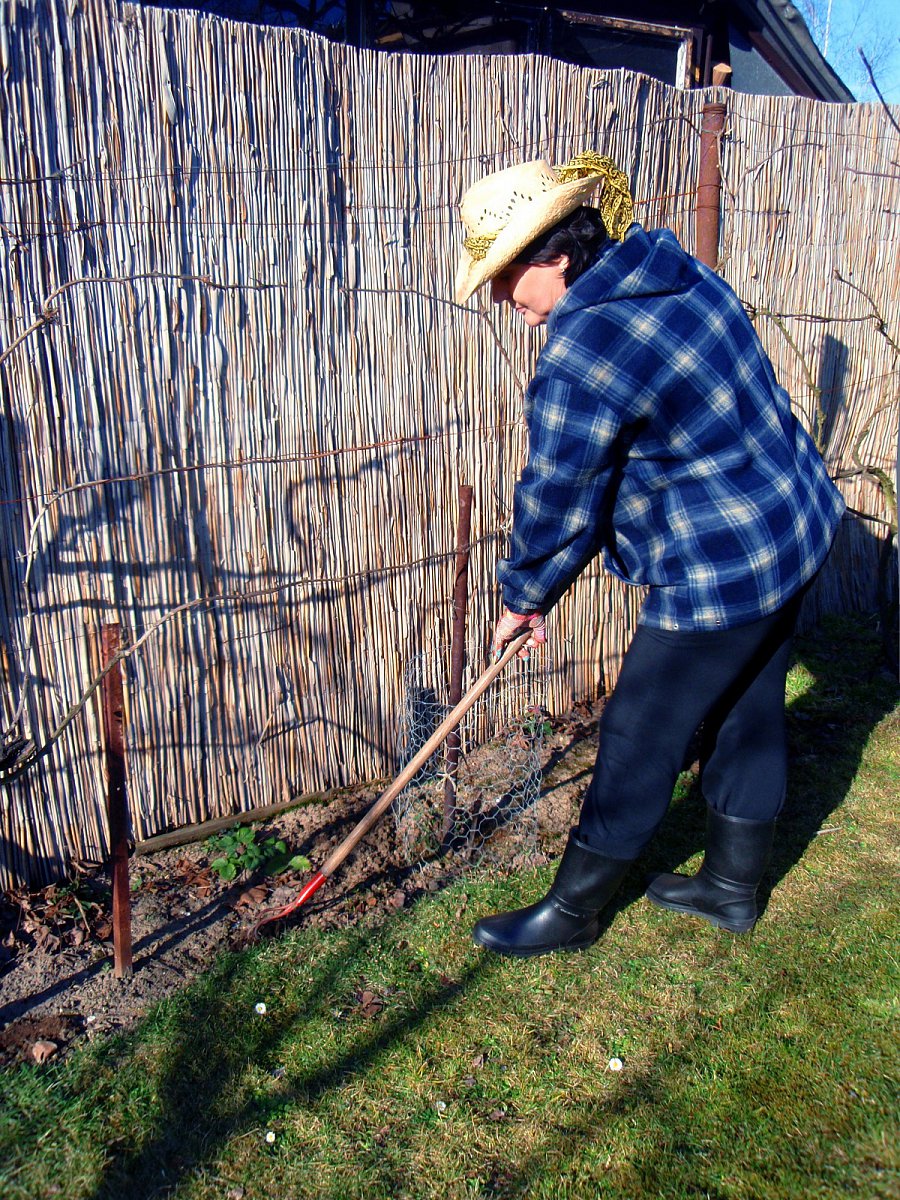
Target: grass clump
403, 1062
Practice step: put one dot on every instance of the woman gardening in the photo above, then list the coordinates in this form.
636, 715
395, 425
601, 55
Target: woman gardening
660, 438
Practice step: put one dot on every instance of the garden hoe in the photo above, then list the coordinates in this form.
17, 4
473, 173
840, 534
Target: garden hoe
418, 760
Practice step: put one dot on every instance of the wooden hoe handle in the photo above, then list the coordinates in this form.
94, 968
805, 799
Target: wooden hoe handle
422, 756
418, 760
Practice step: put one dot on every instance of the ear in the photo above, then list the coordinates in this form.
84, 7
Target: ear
562, 263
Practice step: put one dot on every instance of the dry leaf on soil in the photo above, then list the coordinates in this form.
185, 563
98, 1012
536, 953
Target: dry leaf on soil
370, 1004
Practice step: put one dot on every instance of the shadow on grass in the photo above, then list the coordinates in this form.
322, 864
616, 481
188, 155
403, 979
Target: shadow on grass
210, 1050
212, 1041
203, 1102
828, 727
201, 1105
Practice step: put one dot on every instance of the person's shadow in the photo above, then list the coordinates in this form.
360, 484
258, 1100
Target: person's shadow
838, 692
850, 691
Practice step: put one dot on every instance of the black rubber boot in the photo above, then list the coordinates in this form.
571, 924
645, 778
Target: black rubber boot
568, 916
723, 891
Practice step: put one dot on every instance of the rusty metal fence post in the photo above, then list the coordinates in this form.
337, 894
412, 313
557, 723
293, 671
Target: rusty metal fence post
457, 651
116, 801
709, 185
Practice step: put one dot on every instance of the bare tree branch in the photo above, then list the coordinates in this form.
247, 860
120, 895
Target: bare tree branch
884, 103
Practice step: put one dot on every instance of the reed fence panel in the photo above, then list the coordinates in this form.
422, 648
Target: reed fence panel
239, 400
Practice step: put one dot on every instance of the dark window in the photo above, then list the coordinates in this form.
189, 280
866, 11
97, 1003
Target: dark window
327, 17
593, 43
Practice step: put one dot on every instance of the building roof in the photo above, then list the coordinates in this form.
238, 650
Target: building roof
784, 40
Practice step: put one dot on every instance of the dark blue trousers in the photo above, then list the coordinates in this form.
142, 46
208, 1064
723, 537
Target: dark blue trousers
732, 681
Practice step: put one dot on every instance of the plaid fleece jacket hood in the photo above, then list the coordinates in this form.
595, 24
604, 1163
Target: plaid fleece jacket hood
659, 436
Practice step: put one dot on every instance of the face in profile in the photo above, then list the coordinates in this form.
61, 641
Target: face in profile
533, 289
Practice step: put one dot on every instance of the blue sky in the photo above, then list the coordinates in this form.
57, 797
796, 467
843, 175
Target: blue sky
872, 24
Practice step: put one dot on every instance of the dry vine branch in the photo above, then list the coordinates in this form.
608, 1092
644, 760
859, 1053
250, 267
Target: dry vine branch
22, 764
482, 313
880, 477
819, 417
50, 312
20, 754
11, 752
875, 315
240, 464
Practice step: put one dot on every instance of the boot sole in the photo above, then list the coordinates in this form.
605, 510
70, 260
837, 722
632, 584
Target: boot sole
532, 951
719, 922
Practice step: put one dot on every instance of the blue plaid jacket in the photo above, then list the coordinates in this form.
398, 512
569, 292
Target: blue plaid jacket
659, 436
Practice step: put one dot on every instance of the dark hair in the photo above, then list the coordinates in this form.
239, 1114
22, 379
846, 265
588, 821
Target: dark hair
580, 236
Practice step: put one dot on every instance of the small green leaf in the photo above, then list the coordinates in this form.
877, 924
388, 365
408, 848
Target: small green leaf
224, 867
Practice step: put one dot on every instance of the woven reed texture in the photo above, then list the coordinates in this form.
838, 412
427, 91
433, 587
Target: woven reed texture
239, 401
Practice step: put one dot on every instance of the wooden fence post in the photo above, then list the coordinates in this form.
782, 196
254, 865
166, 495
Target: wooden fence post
116, 802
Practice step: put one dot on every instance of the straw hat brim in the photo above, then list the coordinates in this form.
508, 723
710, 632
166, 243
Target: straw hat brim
529, 221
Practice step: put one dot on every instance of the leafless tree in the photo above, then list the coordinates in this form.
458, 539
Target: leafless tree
855, 39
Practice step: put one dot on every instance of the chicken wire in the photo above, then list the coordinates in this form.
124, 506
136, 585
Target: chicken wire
492, 790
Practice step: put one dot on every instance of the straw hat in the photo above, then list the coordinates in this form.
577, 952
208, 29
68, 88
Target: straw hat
505, 211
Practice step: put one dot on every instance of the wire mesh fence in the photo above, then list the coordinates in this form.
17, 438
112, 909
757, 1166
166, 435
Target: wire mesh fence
477, 795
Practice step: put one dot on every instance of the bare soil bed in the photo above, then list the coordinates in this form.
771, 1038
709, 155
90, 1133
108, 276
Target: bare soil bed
57, 985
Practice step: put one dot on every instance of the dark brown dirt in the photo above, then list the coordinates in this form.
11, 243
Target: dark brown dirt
57, 984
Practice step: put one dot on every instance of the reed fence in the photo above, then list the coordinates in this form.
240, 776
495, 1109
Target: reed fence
238, 400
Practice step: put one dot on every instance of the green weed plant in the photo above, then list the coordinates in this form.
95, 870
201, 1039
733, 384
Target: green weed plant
241, 850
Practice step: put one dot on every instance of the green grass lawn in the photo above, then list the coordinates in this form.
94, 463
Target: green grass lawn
763, 1066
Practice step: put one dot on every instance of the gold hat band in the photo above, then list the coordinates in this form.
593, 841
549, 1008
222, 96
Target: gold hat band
616, 205
479, 244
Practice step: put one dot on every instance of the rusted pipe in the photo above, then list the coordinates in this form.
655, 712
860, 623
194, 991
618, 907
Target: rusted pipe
116, 802
457, 651
709, 185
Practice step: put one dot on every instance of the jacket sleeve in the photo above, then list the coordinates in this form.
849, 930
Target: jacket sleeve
560, 502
